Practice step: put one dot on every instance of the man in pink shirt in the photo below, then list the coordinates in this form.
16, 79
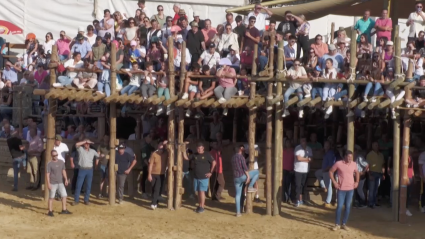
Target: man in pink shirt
209, 32
63, 46
346, 184
383, 26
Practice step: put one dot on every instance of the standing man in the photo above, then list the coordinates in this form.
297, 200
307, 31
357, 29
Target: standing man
289, 24
125, 162
376, 171
197, 19
16, 149
303, 156
147, 150
259, 16
34, 152
252, 34
103, 151
365, 25
86, 155
217, 179
239, 30
383, 26
157, 164
323, 174
203, 165
229, 20
195, 42
416, 22
346, 184
55, 175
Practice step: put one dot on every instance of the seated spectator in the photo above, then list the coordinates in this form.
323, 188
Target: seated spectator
418, 96
120, 54
191, 84
40, 73
6, 133
226, 82
41, 59
218, 36
98, 49
175, 34
294, 73
154, 31
83, 47
70, 65
317, 89
243, 86
342, 89
388, 55
134, 55
364, 47
10, 73
263, 52
337, 59
135, 79
87, 78
342, 49
228, 40
163, 90
234, 58
178, 56
25, 77
206, 85
391, 93
31, 49
319, 47
210, 57
312, 59
148, 87
155, 54
103, 86
381, 43
48, 43
247, 56
63, 46
290, 51
329, 89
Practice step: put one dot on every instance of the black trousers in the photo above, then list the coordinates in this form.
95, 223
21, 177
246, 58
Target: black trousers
157, 184
74, 181
144, 177
195, 58
303, 43
288, 184
216, 185
300, 179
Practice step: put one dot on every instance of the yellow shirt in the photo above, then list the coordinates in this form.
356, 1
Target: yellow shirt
376, 161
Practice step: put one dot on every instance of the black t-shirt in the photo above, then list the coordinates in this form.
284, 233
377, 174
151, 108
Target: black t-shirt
13, 144
286, 26
419, 44
186, 164
194, 42
123, 161
202, 164
240, 31
206, 83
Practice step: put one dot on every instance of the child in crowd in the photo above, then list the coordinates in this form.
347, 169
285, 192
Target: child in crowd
135, 79
103, 86
148, 87
163, 90
191, 84
243, 86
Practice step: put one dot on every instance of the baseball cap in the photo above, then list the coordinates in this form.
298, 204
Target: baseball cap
58, 137
80, 37
108, 35
212, 45
332, 47
121, 146
81, 29
194, 24
181, 11
133, 43
195, 14
200, 144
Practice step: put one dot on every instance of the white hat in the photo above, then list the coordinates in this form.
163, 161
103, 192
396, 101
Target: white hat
81, 29
1, 85
225, 61
390, 43
195, 14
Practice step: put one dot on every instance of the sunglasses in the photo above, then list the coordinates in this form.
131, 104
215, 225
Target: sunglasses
318, 39
252, 21
131, 22
160, 10
55, 155
419, 6
145, 21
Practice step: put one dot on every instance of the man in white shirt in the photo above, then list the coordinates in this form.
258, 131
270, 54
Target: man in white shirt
178, 57
61, 148
229, 20
416, 22
70, 65
261, 17
91, 37
210, 57
303, 156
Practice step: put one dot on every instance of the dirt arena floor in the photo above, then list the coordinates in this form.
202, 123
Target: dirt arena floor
22, 215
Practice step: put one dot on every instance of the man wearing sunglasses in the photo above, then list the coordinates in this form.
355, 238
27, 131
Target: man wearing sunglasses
160, 17
415, 22
260, 17
55, 175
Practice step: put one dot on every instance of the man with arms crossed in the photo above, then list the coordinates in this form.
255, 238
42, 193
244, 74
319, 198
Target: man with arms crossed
55, 175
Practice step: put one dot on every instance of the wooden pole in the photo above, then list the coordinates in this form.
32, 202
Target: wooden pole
171, 122
332, 33
254, 61
350, 120
396, 147
269, 136
251, 142
112, 127
50, 134
277, 170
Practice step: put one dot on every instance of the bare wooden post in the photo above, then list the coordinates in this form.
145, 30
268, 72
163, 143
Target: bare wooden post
254, 61
332, 33
171, 131
350, 120
251, 142
51, 122
277, 175
112, 127
269, 136
396, 147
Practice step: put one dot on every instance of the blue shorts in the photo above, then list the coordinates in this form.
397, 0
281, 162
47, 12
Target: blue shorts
200, 185
103, 170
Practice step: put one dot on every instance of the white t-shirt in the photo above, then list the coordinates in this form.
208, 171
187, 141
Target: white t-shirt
235, 58
421, 160
70, 63
234, 24
246, 146
300, 72
260, 23
47, 46
328, 74
178, 58
92, 39
135, 79
62, 149
111, 22
142, 78
206, 58
302, 167
419, 71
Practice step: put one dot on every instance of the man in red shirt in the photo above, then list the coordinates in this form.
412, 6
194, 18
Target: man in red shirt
346, 184
383, 26
217, 179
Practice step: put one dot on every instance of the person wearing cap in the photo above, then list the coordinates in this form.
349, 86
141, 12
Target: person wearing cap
98, 49
228, 39
365, 25
226, 82
158, 162
209, 32
86, 155
259, 16
70, 65
80, 31
106, 25
210, 57
195, 42
134, 54
63, 46
337, 59
82, 46
242, 177
252, 34
197, 19
86, 79
160, 17
203, 166
125, 163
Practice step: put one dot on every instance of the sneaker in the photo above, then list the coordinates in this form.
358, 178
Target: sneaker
335, 228
285, 113
87, 203
168, 109
371, 206
159, 111
301, 114
350, 113
240, 92
408, 213
66, 212
373, 100
185, 96
50, 214
363, 114
393, 115
153, 207
100, 196
365, 99
400, 95
423, 209
327, 205
301, 202
225, 111
257, 200
100, 92
221, 100
75, 203
238, 215
196, 209
120, 201
345, 227
200, 210
307, 96
57, 85
252, 190
188, 113
329, 110
297, 204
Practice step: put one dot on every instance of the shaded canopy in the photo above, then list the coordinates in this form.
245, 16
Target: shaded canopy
321, 8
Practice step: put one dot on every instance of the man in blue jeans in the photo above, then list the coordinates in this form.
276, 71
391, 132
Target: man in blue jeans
85, 162
346, 184
241, 177
323, 174
16, 149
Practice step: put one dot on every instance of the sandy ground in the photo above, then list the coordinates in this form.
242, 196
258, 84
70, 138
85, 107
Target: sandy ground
23, 216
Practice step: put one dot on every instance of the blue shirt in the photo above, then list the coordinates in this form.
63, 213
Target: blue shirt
81, 48
328, 159
338, 61
10, 75
364, 27
290, 52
